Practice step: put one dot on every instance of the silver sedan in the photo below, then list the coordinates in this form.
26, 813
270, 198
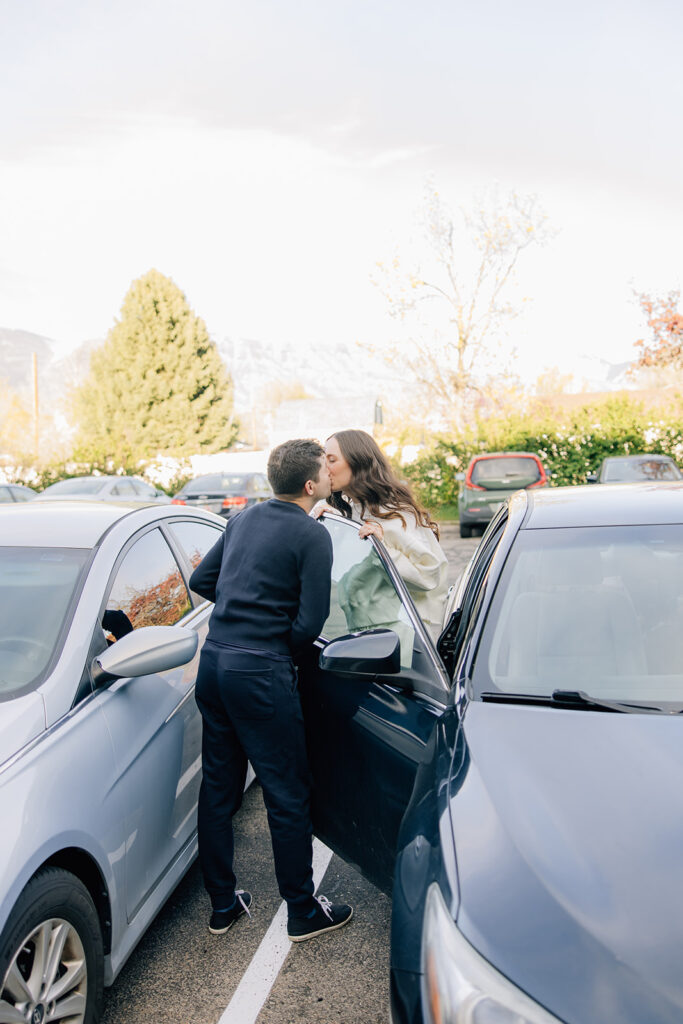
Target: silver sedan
100, 740
104, 488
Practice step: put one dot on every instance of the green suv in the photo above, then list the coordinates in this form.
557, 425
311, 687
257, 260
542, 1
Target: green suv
490, 480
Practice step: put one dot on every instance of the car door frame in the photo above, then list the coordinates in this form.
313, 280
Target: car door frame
387, 726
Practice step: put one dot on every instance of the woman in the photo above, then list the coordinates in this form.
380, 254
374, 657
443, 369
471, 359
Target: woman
365, 488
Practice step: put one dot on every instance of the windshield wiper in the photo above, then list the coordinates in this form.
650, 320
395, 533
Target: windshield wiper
580, 699
585, 700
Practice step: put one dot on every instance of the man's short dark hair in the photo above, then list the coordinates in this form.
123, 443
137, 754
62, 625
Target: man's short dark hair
292, 463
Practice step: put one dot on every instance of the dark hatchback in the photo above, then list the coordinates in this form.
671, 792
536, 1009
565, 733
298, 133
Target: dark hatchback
225, 493
520, 790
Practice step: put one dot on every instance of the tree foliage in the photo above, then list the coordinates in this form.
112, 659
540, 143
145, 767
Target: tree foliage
665, 346
157, 386
16, 422
458, 300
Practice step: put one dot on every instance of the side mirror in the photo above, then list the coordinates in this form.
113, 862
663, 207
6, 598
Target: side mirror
459, 476
375, 652
145, 651
592, 478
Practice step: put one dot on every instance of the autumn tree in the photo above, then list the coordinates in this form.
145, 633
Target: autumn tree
664, 348
457, 302
157, 386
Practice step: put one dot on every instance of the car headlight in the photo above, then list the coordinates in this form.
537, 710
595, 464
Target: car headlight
458, 985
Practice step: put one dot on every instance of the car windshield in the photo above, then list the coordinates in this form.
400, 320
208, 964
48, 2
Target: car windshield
216, 482
79, 485
37, 586
592, 609
631, 470
505, 473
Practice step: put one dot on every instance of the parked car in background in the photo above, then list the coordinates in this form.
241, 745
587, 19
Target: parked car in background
627, 469
104, 488
16, 492
225, 493
520, 788
491, 479
100, 740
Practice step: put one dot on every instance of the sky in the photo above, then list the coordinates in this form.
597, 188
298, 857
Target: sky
266, 155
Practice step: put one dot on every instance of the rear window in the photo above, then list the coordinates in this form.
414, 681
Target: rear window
37, 586
216, 482
639, 469
77, 486
506, 472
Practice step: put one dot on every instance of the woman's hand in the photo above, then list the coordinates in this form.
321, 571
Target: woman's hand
371, 529
320, 509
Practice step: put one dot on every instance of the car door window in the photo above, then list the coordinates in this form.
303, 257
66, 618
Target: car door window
146, 490
123, 488
195, 540
148, 589
362, 594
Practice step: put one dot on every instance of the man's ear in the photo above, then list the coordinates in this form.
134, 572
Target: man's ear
309, 487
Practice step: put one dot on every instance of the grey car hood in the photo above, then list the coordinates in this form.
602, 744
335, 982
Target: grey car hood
21, 720
568, 828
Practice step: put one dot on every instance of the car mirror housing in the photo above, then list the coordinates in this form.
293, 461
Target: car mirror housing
371, 653
592, 478
145, 651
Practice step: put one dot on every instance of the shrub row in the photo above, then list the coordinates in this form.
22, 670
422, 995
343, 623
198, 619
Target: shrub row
570, 446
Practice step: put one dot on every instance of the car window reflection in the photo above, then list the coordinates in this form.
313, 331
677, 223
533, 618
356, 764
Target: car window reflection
148, 588
362, 594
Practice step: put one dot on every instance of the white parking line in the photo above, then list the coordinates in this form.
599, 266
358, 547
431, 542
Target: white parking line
260, 975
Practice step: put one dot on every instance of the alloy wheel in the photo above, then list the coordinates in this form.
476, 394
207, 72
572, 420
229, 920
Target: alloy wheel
47, 979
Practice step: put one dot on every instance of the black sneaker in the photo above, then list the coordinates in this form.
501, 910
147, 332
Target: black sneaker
222, 920
326, 918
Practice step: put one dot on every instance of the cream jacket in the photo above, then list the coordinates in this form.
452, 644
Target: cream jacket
420, 560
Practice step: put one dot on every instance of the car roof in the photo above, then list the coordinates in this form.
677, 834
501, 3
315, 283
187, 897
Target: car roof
504, 455
618, 505
77, 524
223, 472
654, 457
84, 476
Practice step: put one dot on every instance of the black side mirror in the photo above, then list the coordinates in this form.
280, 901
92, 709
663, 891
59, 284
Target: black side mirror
592, 478
375, 652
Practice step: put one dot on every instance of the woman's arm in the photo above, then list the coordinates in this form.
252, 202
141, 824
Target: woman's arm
415, 551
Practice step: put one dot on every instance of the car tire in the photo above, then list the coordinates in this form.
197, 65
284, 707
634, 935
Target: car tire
465, 531
55, 909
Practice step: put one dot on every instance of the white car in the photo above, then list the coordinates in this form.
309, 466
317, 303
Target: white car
104, 488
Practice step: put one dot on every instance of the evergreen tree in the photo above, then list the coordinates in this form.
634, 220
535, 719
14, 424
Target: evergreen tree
157, 385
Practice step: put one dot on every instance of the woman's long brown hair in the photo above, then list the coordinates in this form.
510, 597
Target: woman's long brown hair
374, 484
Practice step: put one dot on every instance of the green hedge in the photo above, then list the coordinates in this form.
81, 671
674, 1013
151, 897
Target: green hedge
569, 446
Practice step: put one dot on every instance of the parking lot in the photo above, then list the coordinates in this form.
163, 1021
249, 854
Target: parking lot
180, 974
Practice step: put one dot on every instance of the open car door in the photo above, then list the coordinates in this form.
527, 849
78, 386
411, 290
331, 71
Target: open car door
372, 689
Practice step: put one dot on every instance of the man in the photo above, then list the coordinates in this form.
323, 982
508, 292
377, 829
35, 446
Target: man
269, 577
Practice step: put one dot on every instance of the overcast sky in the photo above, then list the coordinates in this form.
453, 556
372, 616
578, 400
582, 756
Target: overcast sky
265, 155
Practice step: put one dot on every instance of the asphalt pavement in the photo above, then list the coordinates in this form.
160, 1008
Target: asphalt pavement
181, 974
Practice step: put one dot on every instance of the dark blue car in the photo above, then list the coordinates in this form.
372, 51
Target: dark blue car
520, 790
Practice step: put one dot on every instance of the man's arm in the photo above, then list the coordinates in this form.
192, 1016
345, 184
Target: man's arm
205, 577
314, 599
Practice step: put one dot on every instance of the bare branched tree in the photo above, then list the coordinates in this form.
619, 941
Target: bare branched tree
457, 302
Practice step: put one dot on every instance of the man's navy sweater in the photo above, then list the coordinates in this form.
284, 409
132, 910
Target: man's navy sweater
269, 576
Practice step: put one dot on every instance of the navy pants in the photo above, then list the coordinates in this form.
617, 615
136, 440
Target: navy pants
250, 710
